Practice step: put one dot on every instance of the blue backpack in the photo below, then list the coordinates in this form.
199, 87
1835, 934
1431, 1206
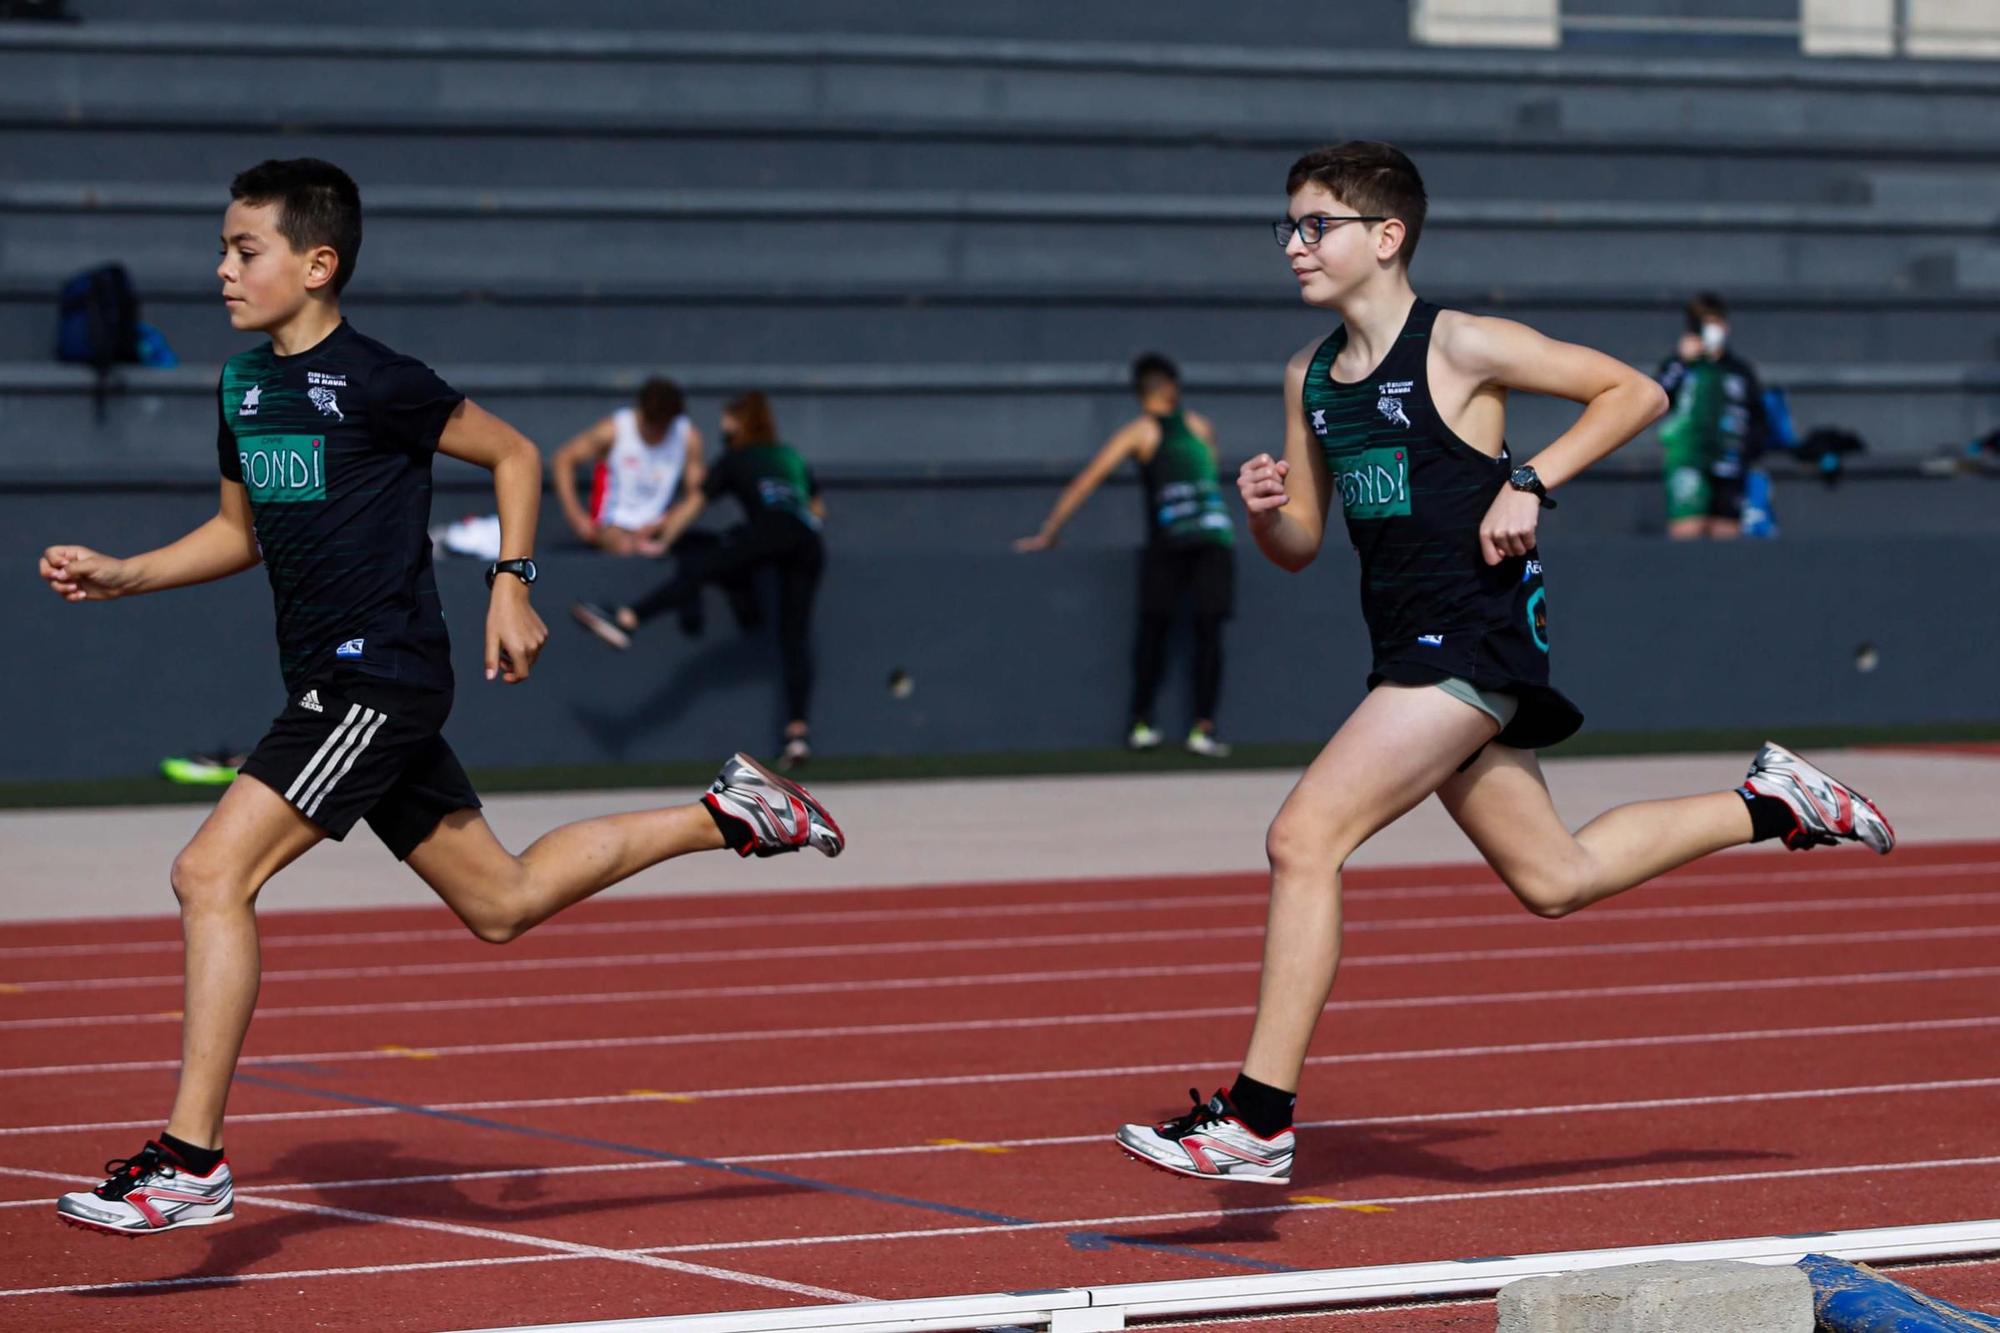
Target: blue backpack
97, 319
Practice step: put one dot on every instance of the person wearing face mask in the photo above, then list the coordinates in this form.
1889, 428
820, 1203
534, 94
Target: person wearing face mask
1714, 428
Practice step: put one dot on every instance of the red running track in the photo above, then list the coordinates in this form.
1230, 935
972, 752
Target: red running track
673, 1105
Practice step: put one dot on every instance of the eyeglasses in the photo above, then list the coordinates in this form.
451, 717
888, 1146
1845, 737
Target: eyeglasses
1314, 226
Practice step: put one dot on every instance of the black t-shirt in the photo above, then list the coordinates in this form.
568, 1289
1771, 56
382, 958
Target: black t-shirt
334, 445
766, 479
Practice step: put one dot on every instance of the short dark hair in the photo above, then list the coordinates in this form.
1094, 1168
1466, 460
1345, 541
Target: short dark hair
1373, 178
1704, 307
660, 399
1152, 368
754, 422
318, 204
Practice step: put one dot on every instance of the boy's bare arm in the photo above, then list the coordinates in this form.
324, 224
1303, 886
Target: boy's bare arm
1288, 497
1123, 443
585, 447
1619, 403
225, 545
514, 633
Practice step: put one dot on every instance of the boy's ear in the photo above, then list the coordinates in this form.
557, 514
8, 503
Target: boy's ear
1389, 242
322, 263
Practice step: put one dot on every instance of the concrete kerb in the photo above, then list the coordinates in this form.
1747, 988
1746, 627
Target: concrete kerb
1666, 1297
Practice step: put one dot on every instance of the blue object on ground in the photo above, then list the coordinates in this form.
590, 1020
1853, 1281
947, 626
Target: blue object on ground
1851, 1299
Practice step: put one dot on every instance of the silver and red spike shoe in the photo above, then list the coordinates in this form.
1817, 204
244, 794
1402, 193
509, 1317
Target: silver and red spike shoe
149, 1192
1213, 1142
1828, 810
779, 814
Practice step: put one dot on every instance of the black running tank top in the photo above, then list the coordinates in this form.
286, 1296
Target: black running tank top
1413, 495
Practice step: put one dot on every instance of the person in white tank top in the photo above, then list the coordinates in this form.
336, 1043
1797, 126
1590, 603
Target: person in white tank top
646, 467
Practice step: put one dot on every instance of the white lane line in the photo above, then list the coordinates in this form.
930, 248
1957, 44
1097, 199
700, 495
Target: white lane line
934, 946
1486, 884
1123, 1071
1468, 1115
1384, 1201
1092, 1224
545, 1243
598, 999
752, 1036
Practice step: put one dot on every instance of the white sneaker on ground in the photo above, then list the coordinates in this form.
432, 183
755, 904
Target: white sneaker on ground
1212, 1141
151, 1191
1142, 737
1206, 745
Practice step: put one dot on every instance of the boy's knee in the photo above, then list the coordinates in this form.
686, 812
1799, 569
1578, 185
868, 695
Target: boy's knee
201, 883
1297, 846
1550, 893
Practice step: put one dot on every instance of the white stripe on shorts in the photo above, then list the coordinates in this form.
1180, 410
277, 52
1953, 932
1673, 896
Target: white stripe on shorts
333, 760
332, 739
367, 735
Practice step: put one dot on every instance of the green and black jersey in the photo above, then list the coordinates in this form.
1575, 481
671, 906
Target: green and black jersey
1184, 503
334, 446
1414, 495
767, 480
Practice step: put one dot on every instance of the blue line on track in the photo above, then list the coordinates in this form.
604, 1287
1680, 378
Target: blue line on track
1002, 1220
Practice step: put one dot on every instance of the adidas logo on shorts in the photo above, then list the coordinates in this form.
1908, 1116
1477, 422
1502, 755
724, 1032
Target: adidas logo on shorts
311, 700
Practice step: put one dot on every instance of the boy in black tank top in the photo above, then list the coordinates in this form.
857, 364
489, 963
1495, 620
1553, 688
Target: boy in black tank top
1397, 417
1190, 551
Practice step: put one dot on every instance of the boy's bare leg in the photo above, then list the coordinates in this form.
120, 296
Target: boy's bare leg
500, 895
1504, 806
250, 836
1399, 745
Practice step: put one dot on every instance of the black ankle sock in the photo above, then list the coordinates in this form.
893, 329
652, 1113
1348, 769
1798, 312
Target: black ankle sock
1769, 816
201, 1161
1266, 1109
736, 834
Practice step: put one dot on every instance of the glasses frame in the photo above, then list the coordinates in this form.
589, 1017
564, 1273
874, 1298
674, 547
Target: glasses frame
1285, 228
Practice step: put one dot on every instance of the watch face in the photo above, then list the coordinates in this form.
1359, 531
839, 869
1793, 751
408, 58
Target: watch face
1524, 479
528, 571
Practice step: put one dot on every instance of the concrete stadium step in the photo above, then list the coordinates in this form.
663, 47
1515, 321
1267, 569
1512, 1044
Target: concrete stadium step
677, 325
1359, 22
913, 415
298, 71
50, 229
473, 150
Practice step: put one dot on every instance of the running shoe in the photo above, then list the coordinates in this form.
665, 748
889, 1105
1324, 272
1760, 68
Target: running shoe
1827, 810
1205, 744
149, 1192
1142, 737
797, 750
599, 622
779, 814
1212, 1141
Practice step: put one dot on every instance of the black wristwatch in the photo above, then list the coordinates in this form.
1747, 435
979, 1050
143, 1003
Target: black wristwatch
522, 569
1525, 478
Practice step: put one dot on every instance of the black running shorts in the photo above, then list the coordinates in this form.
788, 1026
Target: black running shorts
347, 749
1203, 572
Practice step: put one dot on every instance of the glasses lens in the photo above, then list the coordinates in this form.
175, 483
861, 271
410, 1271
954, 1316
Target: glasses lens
1282, 229
1311, 229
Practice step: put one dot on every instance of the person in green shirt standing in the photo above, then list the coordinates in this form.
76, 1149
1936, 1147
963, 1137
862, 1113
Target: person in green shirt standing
1190, 551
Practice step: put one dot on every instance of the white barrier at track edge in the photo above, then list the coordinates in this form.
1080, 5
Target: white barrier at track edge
1097, 1309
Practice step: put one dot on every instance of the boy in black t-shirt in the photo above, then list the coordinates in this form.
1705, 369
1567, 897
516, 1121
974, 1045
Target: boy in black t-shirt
325, 449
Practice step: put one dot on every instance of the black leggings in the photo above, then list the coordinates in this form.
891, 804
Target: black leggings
799, 557
1149, 659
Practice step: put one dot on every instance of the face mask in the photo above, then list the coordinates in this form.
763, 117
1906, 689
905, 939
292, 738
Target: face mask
1712, 338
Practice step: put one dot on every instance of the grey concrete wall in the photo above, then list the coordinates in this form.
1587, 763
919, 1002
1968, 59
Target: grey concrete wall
1012, 652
